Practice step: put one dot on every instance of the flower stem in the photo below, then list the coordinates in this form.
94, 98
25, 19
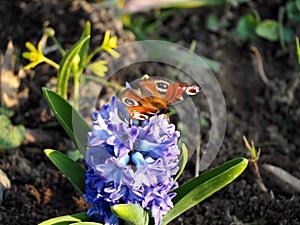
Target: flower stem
93, 53
76, 92
298, 50
280, 29
77, 73
51, 63
60, 49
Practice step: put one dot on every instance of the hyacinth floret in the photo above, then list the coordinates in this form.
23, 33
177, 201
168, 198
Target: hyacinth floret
131, 164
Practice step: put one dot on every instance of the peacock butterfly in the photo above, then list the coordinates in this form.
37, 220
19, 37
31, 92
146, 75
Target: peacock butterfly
144, 98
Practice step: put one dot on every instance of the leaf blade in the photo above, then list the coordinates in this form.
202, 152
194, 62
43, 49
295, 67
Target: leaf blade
132, 213
87, 223
268, 29
73, 123
78, 217
183, 160
85, 47
246, 27
10, 136
72, 170
65, 67
196, 190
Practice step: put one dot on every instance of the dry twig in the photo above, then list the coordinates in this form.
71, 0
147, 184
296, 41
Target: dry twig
260, 65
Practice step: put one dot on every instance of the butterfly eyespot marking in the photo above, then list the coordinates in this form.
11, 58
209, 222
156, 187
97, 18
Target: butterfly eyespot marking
162, 86
130, 102
192, 90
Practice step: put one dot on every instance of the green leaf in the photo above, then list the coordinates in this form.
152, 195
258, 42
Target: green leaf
83, 52
72, 170
268, 29
183, 160
87, 223
75, 155
246, 27
6, 111
293, 11
67, 219
213, 23
10, 136
213, 65
203, 186
297, 2
131, 213
65, 67
73, 123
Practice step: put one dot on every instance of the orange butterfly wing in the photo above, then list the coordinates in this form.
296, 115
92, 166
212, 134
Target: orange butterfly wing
138, 105
168, 91
153, 96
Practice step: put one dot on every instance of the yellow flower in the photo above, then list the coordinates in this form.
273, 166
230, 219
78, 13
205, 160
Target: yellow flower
109, 43
35, 56
99, 68
121, 3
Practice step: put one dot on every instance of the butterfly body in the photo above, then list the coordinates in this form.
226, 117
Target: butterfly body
149, 106
154, 96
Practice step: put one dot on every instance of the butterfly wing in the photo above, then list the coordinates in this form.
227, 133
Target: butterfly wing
154, 96
138, 105
170, 92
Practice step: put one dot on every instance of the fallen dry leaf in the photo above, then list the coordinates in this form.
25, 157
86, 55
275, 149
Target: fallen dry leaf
4, 181
9, 82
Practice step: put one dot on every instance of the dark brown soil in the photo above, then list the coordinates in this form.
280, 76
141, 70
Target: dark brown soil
262, 112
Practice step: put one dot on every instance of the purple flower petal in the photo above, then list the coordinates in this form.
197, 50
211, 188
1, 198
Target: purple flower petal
130, 164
